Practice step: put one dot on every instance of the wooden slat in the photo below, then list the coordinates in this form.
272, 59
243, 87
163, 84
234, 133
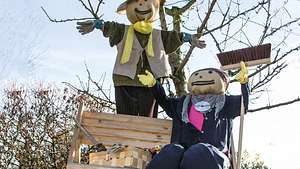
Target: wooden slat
138, 120
163, 129
134, 135
82, 166
136, 131
108, 141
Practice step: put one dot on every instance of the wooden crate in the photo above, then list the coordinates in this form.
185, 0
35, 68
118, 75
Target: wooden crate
109, 129
128, 157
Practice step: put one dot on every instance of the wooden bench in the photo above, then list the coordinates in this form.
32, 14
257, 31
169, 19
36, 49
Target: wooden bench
111, 129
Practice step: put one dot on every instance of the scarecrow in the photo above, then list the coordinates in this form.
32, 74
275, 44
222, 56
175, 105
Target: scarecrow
139, 48
202, 120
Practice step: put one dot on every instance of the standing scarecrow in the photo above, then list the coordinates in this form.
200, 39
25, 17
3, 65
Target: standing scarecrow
202, 120
140, 47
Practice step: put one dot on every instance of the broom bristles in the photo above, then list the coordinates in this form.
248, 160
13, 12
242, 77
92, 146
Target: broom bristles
252, 56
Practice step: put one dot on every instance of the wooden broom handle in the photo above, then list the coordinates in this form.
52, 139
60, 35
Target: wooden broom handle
242, 115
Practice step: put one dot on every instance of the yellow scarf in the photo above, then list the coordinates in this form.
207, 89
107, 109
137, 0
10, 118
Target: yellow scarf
143, 27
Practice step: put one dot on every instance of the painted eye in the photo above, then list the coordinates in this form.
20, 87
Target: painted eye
196, 74
210, 72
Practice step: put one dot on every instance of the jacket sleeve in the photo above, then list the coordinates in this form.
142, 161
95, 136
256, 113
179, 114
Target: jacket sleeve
114, 31
168, 104
232, 106
172, 40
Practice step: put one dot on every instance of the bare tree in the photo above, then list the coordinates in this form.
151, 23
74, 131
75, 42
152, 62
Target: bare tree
229, 27
36, 125
97, 97
231, 24
250, 162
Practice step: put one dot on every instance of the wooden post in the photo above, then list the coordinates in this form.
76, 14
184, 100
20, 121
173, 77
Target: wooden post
74, 154
239, 156
233, 153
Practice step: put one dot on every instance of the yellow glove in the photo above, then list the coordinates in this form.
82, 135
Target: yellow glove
242, 76
157, 148
148, 79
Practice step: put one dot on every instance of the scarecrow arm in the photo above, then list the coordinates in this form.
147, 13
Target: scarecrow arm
172, 40
112, 30
194, 40
168, 104
232, 106
88, 26
233, 103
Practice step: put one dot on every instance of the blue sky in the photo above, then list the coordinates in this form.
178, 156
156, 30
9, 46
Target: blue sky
35, 50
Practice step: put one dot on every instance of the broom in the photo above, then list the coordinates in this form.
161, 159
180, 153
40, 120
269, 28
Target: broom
252, 56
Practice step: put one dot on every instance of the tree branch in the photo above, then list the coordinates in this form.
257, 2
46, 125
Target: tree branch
274, 30
275, 105
187, 6
162, 16
63, 20
234, 17
267, 23
198, 35
90, 9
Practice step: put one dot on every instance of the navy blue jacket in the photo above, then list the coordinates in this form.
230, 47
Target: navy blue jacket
216, 128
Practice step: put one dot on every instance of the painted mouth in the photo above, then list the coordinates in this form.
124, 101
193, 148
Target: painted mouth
201, 83
143, 12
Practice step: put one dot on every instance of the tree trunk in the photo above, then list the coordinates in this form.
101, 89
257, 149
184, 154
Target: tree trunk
179, 78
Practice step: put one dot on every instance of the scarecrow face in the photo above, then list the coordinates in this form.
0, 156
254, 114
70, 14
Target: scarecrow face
207, 81
139, 10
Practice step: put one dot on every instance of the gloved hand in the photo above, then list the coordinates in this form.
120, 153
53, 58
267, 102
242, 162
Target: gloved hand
148, 79
197, 42
88, 26
194, 40
242, 76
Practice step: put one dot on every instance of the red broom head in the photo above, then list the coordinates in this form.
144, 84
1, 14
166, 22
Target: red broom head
252, 56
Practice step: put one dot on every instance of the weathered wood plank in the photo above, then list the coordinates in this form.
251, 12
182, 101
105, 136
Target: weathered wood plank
82, 166
127, 134
136, 131
125, 141
127, 119
117, 125
74, 153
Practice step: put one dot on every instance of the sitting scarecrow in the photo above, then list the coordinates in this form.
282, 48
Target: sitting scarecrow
140, 48
202, 120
